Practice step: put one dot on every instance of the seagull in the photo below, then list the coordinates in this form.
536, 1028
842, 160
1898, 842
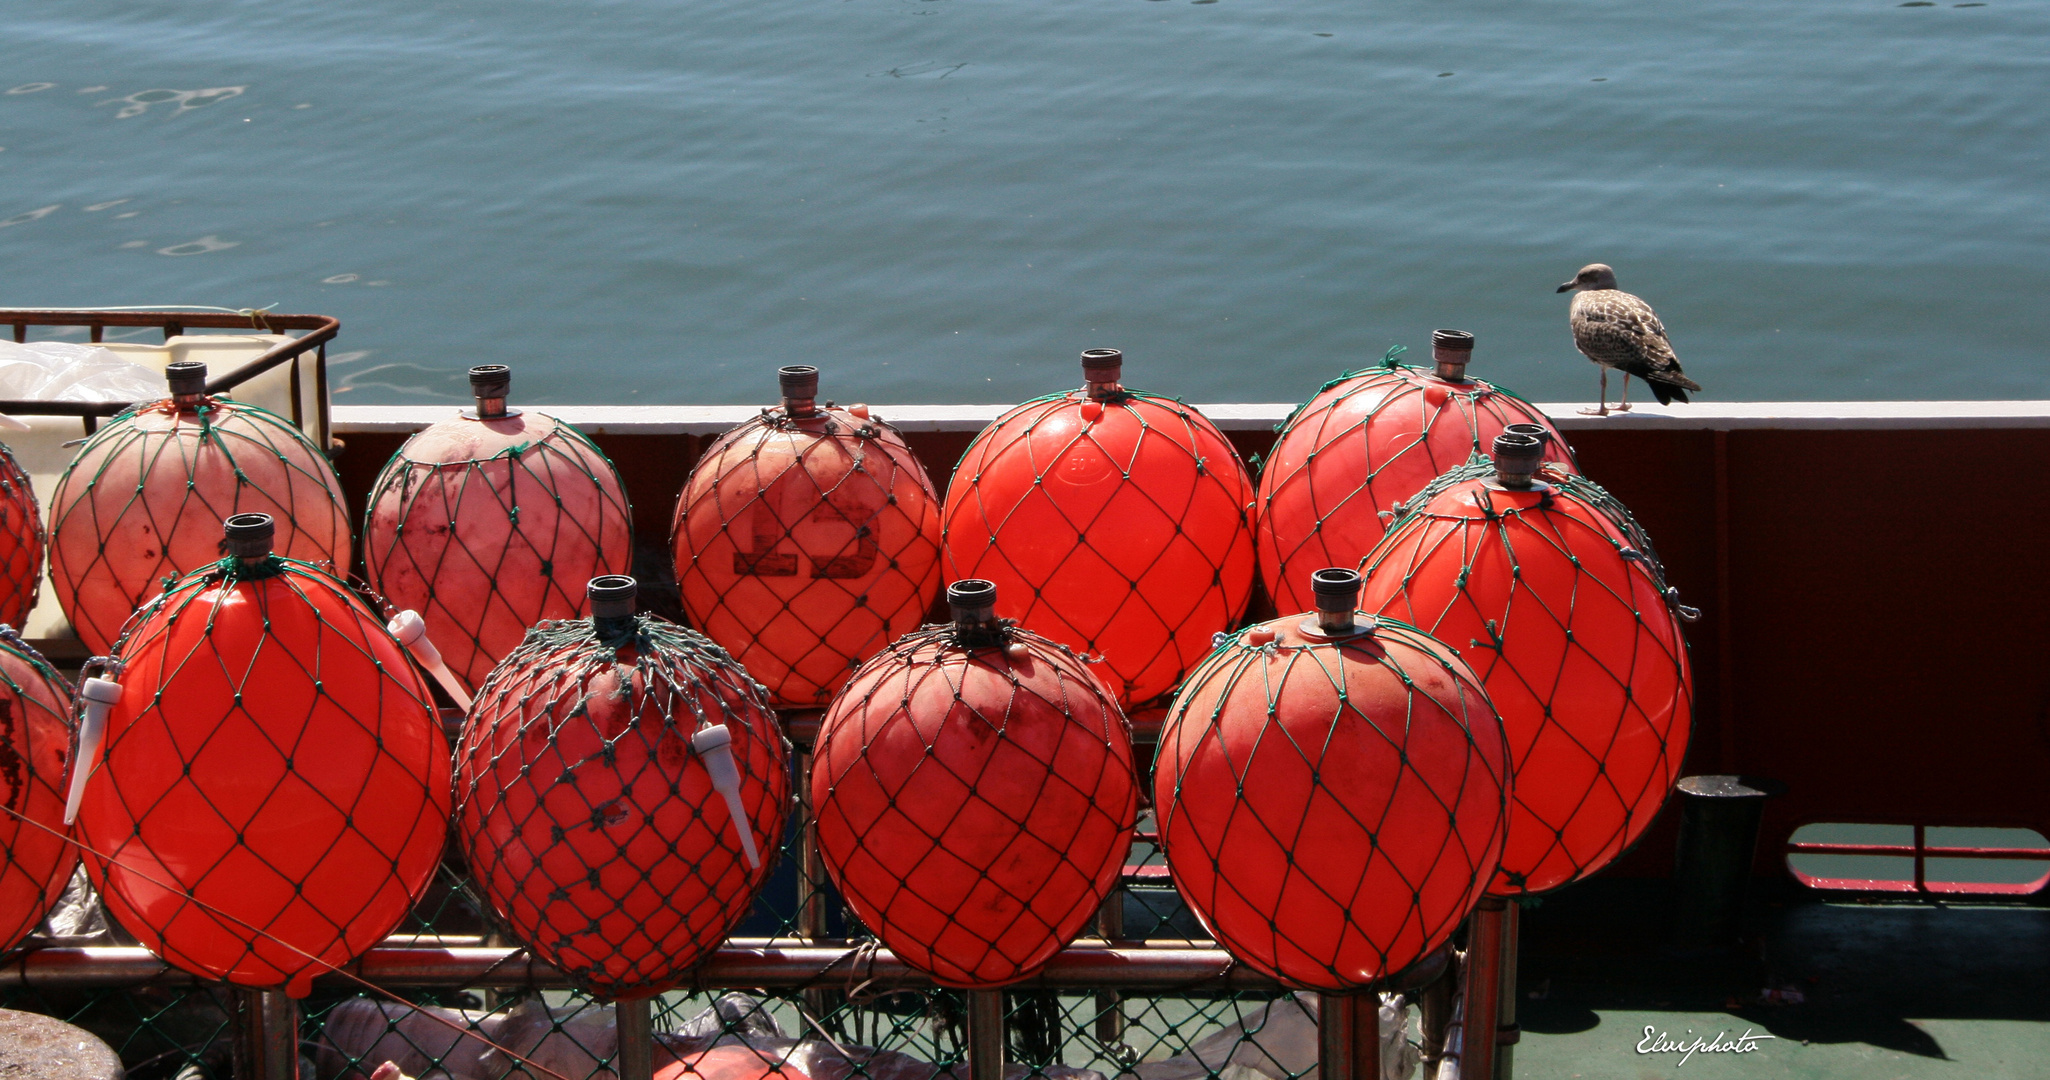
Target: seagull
1617, 330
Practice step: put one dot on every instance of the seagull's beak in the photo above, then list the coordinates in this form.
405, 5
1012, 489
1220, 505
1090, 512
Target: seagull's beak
1568, 287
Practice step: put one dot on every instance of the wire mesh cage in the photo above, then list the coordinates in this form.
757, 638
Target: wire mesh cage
975, 795
806, 540
1332, 793
35, 739
1365, 442
617, 779
1555, 595
144, 499
1112, 521
21, 542
492, 521
269, 796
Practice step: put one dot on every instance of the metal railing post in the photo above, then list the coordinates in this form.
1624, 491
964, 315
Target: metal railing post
1506, 1032
1349, 1037
634, 1021
1481, 988
1110, 1009
1436, 1002
985, 1035
268, 1039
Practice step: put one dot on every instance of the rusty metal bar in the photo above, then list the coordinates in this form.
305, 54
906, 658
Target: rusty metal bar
213, 320
1110, 1010
741, 963
985, 1035
1482, 974
1349, 1037
1506, 1032
321, 329
269, 1034
634, 1022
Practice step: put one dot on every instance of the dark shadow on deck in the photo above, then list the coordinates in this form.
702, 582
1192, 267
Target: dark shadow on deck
1861, 968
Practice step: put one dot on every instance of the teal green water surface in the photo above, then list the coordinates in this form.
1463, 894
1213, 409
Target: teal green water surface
945, 200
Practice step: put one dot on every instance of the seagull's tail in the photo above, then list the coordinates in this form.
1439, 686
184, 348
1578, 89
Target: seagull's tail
1667, 394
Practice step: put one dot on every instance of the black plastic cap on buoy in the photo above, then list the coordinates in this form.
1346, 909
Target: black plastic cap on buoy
612, 596
974, 606
1516, 458
1101, 370
1451, 350
187, 378
492, 384
1539, 432
800, 385
1338, 595
249, 536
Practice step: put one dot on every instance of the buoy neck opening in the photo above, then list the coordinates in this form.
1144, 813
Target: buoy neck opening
490, 384
1516, 460
1337, 593
800, 386
1101, 370
1451, 351
187, 382
613, 598
973, 604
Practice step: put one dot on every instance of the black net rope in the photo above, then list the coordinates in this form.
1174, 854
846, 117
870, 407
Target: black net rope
975, 798
485, 547
804, 546
1337, 521
589, 819
35, 743
277, 797
1116, 586
1576, 701
21, 542
144, 500
1326, 838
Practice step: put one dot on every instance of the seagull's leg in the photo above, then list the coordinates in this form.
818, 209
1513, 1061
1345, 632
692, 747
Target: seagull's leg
1624, 405
1604, 409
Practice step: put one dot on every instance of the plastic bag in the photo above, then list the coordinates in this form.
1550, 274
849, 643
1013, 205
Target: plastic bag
66, 371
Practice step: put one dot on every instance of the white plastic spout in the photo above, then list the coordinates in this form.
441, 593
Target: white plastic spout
100, 696
714, 746
411, 630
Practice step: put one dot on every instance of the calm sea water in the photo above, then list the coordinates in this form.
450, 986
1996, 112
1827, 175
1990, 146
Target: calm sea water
945, 200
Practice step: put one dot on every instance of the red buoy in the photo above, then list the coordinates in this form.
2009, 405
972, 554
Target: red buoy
145, 497
492, 521
621, 783
1367, 441
36, 858
1114, 522
1550, 590
270, 795
21, 542
807, 539
974, 795
1331, 793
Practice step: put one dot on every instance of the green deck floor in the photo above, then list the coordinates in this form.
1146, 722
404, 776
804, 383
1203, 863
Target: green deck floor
1897, 989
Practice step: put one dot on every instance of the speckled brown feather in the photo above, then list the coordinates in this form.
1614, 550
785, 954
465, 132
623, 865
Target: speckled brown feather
1618, 330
